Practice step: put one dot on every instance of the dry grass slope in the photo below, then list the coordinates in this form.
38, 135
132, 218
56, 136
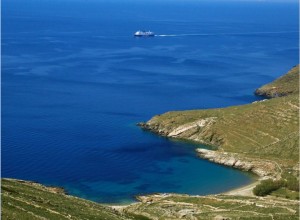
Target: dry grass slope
215, 207
22, 200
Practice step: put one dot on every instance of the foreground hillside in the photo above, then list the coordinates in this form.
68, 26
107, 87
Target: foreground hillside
216, 207
28, 200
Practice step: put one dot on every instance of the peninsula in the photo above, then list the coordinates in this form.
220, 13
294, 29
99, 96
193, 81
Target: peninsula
261, 137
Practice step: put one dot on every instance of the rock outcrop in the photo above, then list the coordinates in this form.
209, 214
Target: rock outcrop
198, 130
234, 160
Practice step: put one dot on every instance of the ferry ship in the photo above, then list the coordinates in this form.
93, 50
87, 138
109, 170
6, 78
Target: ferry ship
144, 34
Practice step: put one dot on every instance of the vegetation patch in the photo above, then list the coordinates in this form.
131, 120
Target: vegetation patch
286, 187
286, 193
267, 186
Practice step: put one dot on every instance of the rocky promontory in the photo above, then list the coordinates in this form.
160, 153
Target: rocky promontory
234, 160
261, 137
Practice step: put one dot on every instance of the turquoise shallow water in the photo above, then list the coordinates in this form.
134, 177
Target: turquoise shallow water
75, 82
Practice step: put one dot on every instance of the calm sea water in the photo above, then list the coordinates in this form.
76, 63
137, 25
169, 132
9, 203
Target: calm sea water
75, 82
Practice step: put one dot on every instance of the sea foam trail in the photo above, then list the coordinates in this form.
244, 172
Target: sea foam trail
221, 34
199, 34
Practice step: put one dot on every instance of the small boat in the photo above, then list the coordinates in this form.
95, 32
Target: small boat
144, 34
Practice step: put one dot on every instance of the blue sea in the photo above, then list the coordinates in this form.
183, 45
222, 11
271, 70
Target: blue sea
75, 82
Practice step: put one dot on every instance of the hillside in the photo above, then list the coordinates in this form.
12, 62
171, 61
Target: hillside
263, 132
282, 86
215, 207
22, 200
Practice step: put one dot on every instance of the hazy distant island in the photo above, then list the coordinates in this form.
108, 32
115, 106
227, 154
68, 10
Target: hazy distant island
261, 137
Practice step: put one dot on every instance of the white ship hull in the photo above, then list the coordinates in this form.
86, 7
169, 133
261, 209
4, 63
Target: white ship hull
144, 34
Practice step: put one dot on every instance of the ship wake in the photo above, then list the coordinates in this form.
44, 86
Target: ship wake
222, 34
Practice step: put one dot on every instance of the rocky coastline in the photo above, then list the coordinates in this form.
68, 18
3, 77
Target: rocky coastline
234, 160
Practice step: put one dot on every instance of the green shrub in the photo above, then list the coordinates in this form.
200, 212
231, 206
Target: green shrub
292, 183
267, 186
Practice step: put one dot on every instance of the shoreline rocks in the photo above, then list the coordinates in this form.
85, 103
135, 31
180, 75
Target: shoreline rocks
153, 128
258, 167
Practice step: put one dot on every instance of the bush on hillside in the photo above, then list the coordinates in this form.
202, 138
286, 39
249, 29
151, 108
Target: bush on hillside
292, 183
268, 186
